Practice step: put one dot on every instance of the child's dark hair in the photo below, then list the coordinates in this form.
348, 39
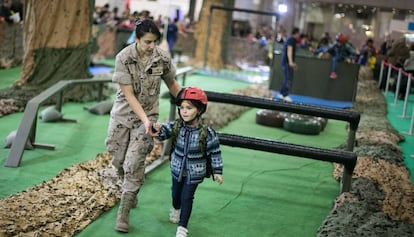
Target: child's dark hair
146, 26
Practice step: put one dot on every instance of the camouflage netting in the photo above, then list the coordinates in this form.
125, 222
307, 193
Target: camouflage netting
9, 106
59, 50
11, 47
66, 204
381, 200
61, 206
63, 45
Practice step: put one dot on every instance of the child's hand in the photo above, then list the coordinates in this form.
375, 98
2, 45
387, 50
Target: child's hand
312, 50
157, 126
218, 178
155, 129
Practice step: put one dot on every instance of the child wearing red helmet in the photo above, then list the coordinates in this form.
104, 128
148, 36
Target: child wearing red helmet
341, 51
195, 154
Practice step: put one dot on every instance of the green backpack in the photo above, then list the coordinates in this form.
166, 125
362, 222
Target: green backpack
202, 143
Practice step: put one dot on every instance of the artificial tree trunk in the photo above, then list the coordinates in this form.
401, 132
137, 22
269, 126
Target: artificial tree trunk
57, 42
216, 54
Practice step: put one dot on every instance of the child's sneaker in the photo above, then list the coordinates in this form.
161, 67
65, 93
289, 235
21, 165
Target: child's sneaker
175, 215
181, 232
332, 75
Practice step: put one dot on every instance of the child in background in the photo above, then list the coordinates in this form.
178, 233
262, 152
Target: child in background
341, 51
195, 153
366, 52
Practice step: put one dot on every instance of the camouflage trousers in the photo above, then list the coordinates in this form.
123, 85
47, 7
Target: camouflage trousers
128, 148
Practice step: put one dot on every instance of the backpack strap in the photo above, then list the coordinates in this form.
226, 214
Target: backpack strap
203, 146
174, 134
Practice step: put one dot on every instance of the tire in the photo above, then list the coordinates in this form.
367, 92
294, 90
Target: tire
302, 124
322, 121
270, 118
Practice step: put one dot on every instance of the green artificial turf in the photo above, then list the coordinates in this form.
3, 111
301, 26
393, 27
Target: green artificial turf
403, 125
8, 76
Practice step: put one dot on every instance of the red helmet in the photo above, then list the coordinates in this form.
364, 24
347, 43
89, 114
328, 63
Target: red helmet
341, 38
193, 94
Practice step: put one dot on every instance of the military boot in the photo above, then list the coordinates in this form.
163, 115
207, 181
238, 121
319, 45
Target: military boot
122, 220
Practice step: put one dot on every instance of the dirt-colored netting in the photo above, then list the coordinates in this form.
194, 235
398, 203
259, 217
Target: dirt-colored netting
381, 201
54, 48
61, 206
9, 106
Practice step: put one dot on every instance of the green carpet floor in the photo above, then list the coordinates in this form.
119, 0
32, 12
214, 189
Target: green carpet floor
402, 124
263, 194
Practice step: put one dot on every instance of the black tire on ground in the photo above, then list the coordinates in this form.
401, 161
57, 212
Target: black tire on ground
322, 121
270, 118
302, 124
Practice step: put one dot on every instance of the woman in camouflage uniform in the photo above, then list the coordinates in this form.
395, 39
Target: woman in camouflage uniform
139, 70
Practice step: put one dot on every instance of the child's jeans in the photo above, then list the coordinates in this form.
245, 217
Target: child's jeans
182, 198
335, 61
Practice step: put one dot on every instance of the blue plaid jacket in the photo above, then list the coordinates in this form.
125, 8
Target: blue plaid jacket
187, 160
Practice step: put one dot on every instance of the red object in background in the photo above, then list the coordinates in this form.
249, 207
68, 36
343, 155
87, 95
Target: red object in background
341, 38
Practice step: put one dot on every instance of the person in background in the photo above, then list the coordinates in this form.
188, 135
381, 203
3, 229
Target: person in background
396, 56
325, 40
386, 45
340, 51
409, 68
289, 64
17, 8
323, 46
366, 52
128, 23
139, 70
159, 21
195, 154
145, 14
304, 42
281, 35
172, 35
6, 13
